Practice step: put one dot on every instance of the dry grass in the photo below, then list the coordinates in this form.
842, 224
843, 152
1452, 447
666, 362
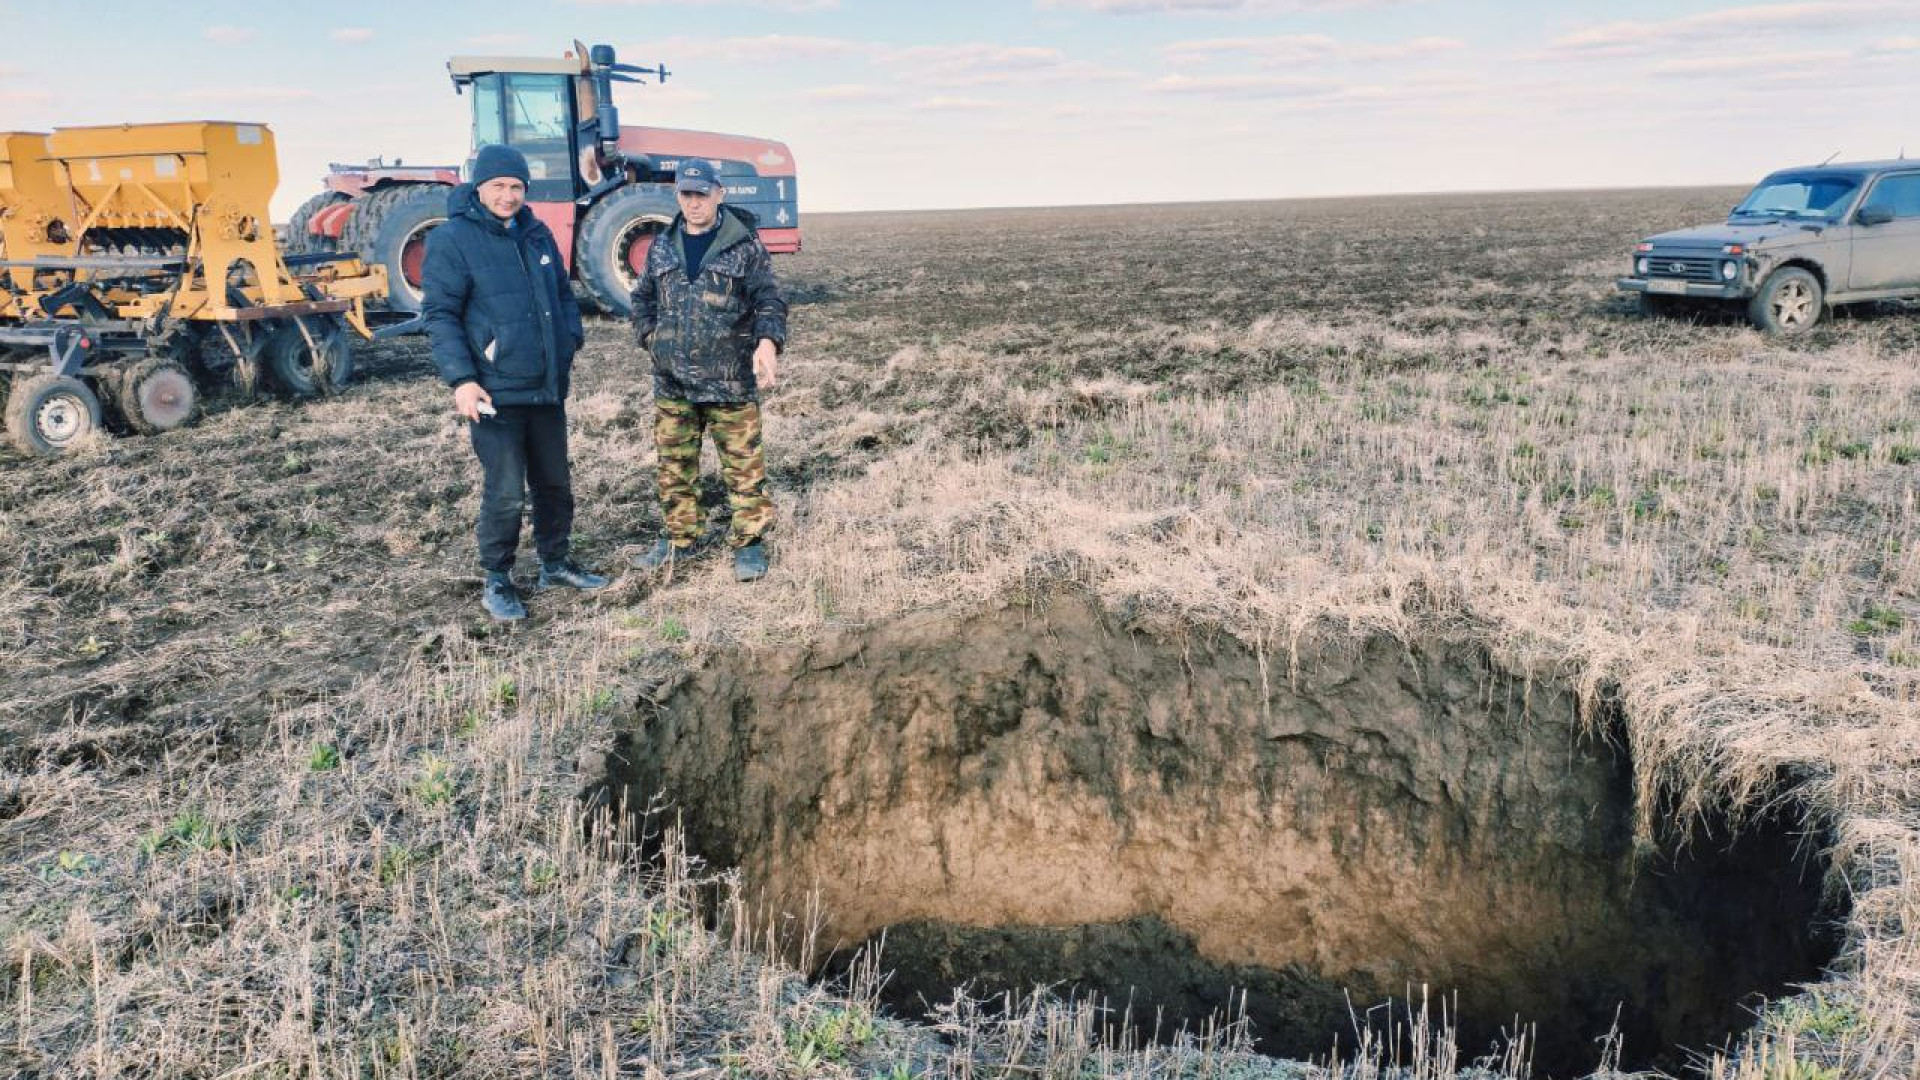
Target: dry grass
276, 803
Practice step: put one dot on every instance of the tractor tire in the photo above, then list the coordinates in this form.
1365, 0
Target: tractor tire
1790, 302
49, 414
302, 242
611, 249
389, 229
157, 395
303, 372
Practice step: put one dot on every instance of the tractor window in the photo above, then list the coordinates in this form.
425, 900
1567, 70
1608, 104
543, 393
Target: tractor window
537, 108
487, 128
539, 121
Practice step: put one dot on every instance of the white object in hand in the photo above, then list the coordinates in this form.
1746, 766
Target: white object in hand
485, 408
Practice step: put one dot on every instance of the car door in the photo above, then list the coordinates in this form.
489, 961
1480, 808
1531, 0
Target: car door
1887, 256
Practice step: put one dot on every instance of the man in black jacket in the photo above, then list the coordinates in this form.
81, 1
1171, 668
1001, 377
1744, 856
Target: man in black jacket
709, 310
504, 325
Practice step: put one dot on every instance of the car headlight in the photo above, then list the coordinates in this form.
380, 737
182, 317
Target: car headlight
1729, 270
1641, 265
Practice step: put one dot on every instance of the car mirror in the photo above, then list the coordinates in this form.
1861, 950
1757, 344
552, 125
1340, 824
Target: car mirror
1875, 215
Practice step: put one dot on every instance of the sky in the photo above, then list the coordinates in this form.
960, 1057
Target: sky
895, 104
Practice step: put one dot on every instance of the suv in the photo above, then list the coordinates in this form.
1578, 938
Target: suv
1803, 240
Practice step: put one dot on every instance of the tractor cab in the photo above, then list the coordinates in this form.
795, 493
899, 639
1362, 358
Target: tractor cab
604, 190
559, 113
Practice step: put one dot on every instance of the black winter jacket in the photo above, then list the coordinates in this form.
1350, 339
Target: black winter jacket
702, 332
488, 285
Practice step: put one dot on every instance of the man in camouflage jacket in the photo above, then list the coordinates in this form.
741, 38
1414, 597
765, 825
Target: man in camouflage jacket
709, 311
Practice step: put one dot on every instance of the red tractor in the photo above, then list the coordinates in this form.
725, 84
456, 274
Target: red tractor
604, 190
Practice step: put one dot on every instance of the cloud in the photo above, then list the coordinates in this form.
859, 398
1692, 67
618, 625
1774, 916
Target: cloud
352, 35
676, 95
229, 35
1721, 28
1796, 65
1214, 7
1289, 50
959, 65
946, 103
494, 41
984, 64
1244, 86
846, 92
1895, 45
25, 97
793, 7
247, 94
763, 49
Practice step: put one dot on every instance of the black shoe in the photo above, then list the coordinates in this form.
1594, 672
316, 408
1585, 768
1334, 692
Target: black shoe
567, 572
501, 599
750, 562
662, 552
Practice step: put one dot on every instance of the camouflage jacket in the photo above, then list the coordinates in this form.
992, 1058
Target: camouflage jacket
702, 332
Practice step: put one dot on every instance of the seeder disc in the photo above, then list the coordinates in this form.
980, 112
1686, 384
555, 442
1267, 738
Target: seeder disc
158, 396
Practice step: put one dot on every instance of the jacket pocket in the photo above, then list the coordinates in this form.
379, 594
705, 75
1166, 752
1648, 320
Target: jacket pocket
720, 292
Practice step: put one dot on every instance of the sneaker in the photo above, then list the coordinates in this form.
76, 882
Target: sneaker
501, 599
750, 562
660, 554
567, 572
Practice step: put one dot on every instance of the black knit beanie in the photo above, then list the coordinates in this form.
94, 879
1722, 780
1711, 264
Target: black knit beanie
494, 161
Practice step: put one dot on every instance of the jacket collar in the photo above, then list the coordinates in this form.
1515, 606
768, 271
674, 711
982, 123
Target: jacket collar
732, 230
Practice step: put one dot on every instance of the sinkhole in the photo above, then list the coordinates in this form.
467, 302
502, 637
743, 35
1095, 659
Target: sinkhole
1037, 795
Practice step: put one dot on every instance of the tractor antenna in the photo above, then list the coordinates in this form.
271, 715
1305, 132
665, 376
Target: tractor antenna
1830, 158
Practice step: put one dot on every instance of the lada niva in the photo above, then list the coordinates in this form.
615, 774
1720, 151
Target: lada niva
1803, 241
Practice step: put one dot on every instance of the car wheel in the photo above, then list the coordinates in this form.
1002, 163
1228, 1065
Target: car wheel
1789, 302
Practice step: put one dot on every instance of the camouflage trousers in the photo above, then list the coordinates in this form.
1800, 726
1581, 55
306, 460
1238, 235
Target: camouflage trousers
677, 429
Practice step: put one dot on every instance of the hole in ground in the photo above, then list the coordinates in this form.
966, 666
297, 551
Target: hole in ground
1037, 796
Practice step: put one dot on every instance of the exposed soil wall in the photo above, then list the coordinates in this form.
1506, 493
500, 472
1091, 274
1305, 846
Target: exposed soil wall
1036, 794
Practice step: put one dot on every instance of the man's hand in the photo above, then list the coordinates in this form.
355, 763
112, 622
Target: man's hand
766, 363
467, 398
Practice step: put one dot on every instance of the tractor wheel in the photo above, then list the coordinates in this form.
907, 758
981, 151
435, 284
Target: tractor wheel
614, 239
49, 414
301, 371
389, 228
1789, 302
157, 395
302, 242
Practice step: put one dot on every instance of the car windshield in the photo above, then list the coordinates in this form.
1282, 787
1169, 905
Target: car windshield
1800, 195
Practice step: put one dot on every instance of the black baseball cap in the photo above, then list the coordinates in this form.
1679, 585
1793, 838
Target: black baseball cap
698, 176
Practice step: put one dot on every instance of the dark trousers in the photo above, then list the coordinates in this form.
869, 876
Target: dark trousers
524, 449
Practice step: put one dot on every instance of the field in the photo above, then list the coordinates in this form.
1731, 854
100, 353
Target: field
1334, 596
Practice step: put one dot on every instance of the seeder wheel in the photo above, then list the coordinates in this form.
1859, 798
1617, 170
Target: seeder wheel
157, 395
49, 414
305, 370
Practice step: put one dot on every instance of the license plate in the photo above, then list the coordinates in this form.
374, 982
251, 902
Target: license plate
1676, 288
